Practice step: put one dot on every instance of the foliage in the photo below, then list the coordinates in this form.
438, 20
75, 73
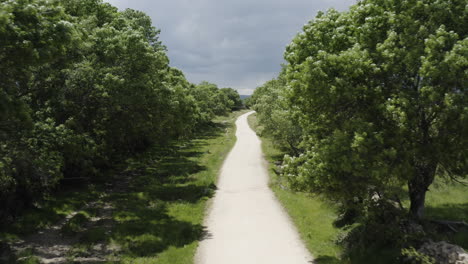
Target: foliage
212, 101
84, 86
234, 100
380, 92
269, 100
31, 34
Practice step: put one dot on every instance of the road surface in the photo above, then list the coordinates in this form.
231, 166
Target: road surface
246, 224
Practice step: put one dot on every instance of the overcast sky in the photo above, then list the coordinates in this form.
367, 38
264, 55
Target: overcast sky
235, 43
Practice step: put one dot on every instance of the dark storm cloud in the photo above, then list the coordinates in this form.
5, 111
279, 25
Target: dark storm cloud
237, 44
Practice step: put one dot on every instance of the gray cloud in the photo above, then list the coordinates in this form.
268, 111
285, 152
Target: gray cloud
235, 43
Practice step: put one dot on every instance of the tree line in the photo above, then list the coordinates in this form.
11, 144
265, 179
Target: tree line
371, 106
84, 86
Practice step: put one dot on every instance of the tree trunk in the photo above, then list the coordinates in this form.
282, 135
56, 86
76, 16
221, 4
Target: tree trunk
417, 198
417, 187
424, 165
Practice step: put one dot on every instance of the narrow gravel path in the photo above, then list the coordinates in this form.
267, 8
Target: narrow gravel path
246, 224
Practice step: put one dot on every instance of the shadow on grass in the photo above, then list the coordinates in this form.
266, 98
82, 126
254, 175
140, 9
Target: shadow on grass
210, 130
50, 211
326, 260
373, 254
144, 226
147, 230
139, 199
449, 212
188, 193
453, 212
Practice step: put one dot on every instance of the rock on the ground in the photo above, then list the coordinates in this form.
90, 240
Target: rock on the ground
444, 253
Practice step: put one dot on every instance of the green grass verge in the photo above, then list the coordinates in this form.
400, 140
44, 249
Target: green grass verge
312, 216
447, 201
158, 205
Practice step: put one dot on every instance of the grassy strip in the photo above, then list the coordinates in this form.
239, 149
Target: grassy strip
157, 202
447, 201
312, 216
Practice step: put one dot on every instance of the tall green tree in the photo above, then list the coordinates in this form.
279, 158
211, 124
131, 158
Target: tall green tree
32, 34
211, 100
271, 104
234, 101
381, 93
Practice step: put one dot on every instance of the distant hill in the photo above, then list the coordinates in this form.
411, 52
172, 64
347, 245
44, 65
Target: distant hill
243, 97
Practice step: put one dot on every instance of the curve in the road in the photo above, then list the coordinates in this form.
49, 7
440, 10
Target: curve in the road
246, 224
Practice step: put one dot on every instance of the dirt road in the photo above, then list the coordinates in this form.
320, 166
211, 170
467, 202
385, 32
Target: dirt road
246, 224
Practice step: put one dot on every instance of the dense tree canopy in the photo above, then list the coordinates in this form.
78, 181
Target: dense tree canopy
213, 101
380, 95
234, 101
83, 86
270, 102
